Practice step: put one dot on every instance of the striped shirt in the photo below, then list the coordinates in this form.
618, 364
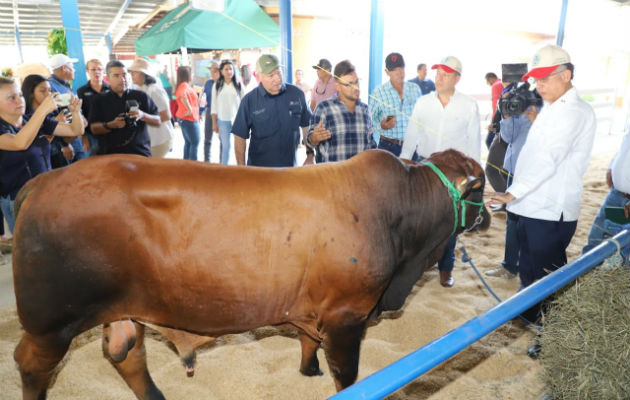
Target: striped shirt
385, 101
350, 132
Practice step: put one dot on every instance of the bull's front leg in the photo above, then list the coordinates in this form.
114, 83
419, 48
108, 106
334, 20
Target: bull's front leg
310, 364
342, 343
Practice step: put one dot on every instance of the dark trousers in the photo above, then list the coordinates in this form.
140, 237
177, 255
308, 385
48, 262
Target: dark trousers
494, 164
393, 148
207, 135
510, 258
543, 247
447, 261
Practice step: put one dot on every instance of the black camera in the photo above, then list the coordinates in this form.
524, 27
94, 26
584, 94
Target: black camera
130, 105
518, 99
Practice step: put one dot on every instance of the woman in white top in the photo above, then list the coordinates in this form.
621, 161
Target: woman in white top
162, 135
226, 97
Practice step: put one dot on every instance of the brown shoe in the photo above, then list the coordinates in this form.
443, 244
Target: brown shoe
446, 279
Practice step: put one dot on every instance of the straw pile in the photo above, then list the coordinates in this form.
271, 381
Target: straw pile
586, 337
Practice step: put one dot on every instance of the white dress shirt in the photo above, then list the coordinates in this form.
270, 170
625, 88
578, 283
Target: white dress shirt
164, 132
620, 166
548, 174
436, 128
225, 104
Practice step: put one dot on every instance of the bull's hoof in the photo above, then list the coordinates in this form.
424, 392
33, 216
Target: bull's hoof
312, 372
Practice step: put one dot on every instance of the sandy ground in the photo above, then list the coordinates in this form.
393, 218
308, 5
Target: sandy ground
263, 364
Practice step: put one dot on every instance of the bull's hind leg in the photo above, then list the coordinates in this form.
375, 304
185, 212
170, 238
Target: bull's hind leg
341, 345
310, 364
133, 369
37, 357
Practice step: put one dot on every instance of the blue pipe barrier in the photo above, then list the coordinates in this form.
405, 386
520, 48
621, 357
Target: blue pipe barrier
408, 368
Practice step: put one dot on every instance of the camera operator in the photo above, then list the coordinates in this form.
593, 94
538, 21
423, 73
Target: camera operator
546, 192
118, 118
513, 131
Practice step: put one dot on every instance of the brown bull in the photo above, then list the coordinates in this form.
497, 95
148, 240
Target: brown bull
208, 250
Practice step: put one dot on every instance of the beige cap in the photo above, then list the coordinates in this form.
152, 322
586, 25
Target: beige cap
140, 65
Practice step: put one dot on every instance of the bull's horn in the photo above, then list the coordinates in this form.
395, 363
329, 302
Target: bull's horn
465, 185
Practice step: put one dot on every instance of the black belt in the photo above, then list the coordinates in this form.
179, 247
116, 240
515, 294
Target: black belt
626, 195
398, 142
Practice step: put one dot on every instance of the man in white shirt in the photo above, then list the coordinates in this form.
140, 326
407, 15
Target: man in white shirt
618, 180
546, 191
441, 120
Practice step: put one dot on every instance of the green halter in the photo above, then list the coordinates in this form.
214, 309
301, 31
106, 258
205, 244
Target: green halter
456, 196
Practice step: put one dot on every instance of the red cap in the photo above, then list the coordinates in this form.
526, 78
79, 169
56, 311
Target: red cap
539, 73
444, 67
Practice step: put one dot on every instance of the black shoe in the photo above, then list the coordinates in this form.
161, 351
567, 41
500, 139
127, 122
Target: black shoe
534, 351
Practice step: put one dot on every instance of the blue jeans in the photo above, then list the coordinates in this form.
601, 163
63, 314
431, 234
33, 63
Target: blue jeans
510, 258
225, 128
79, 153
192, 135
602, 228
7, 209
389, 146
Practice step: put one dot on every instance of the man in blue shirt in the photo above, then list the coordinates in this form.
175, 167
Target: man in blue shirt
341, 126
392, 104
207, 129
63, 73
426, 85
271, 115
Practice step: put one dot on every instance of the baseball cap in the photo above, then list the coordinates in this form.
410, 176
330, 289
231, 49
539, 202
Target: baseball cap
213, 65
140, 65
449, 64
394, 60
546, 60
267, 63
59, 60
323, 64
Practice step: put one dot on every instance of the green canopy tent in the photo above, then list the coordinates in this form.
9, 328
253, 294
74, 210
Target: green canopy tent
241, 25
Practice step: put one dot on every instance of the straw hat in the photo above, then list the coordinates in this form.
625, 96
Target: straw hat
141, 65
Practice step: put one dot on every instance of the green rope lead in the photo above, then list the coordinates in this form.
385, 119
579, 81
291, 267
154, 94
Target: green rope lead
455, 195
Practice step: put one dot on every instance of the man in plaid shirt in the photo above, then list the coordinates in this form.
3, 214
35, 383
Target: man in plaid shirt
341, 126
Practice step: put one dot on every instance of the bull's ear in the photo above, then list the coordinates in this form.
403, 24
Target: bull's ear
466, 185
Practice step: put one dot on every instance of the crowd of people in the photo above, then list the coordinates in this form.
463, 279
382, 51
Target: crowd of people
542, 152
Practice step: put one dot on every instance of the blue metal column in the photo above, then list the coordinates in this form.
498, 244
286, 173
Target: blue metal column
72, 25
110, 45
376, 45
286, 39
563, 19
18, 41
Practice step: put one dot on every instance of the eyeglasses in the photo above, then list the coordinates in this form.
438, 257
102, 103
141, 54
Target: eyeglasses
546, 78
353, 85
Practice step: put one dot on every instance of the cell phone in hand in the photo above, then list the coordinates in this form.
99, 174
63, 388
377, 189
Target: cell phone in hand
63, 99
389, 117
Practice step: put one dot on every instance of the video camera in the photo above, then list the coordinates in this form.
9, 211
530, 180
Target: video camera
519, 98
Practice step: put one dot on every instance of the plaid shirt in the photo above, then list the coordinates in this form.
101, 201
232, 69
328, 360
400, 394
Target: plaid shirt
350, 133
385, 101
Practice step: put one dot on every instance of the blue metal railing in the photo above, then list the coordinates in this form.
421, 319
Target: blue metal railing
408, 368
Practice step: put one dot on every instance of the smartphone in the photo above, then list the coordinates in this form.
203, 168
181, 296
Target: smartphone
63, 99
389, 117
616, 215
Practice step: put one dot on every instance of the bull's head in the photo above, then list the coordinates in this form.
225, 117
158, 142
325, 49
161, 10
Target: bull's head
466, 177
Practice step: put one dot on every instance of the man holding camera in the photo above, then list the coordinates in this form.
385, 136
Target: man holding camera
444, 119
547, 188
118, 118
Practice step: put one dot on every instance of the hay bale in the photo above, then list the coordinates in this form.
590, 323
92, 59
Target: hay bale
586, 337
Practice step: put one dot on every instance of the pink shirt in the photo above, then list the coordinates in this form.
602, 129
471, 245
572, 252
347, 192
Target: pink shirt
322, 91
